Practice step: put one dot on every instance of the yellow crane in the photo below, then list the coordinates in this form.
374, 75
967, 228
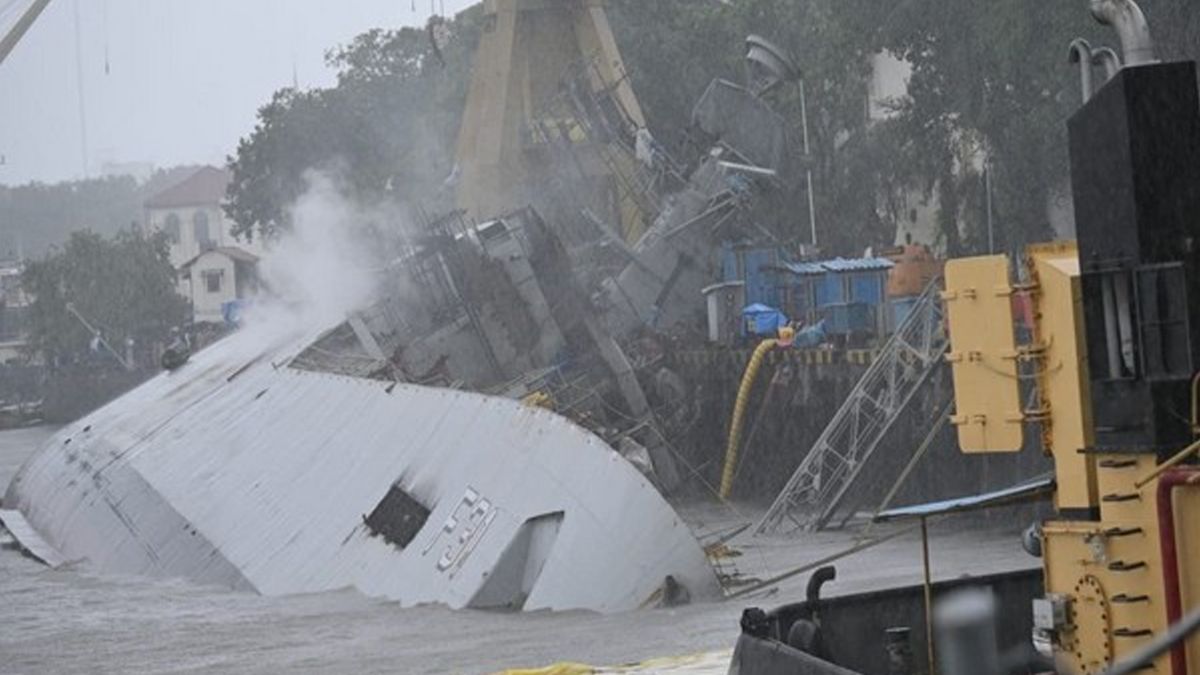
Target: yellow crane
530, 54
22, 25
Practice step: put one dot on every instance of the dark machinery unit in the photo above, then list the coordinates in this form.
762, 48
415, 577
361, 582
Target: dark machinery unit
1135, 162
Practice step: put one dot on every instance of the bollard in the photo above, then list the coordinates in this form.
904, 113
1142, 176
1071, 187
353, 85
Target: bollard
898, 643
965, 624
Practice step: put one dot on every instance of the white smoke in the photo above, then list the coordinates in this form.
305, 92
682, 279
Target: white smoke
318, 272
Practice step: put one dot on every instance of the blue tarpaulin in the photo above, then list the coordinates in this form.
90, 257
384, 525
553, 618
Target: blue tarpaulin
761, 319
232, 312
810, 336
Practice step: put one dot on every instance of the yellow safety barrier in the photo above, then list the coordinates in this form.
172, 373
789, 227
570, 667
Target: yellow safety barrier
706, 663
556, 669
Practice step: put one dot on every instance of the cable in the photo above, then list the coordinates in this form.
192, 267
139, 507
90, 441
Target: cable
1145, 656
107, 69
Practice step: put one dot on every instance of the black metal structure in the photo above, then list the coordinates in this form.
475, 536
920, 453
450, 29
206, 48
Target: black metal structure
1135, 158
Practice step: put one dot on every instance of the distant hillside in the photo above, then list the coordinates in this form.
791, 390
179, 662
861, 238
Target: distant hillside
36, 216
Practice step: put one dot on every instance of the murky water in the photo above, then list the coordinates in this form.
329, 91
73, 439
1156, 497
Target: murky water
73, 621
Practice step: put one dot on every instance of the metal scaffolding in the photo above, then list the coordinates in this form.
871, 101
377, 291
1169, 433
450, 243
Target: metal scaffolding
904, 365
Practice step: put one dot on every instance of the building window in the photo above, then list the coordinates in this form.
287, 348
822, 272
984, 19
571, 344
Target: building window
171, 228
212, 280
200, 230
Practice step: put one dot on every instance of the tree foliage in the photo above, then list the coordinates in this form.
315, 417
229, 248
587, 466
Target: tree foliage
387, 129
37, 216
989, 80
123, 285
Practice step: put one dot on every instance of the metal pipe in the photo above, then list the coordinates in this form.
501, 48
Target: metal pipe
1081, 54
1106, 58
1127, 19
1196, 404
926, 444
812, 209
928, 595
98, 336
987, 184
1146, 655
1169, 464
1170, 554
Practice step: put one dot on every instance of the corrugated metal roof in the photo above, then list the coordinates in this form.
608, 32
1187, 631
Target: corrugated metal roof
858, 264
804, 268
839, 265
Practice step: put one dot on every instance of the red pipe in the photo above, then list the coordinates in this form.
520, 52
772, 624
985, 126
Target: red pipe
1170, 558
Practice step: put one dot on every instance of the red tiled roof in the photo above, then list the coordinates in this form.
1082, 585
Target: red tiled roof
205, 187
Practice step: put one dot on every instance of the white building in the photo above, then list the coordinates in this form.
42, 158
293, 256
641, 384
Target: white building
888, 86
214, 266
216, 277
14, 312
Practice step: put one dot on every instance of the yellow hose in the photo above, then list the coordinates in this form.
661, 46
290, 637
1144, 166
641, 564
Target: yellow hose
739, 412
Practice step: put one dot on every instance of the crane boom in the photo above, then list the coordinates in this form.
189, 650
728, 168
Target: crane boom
13, 36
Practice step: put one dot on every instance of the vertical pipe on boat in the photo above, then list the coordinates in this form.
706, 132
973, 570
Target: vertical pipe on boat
1170, 554
928, 594
1130, 23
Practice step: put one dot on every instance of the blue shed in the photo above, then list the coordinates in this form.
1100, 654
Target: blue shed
851, 294
753, 265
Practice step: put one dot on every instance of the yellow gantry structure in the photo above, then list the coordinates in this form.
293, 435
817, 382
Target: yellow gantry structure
528, 51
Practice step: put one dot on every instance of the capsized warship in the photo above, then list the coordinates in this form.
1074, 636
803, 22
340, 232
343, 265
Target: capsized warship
486, 435
244, 469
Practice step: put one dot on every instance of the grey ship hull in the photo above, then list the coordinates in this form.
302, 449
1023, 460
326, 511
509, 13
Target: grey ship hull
241, 471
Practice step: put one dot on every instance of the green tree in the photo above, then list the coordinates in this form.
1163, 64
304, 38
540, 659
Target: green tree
387, 129
123, 285
989, 79
673, 49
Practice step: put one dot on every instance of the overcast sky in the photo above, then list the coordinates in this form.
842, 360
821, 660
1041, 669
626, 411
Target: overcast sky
165, 81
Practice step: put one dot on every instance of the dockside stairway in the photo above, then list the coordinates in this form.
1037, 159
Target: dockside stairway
904, 366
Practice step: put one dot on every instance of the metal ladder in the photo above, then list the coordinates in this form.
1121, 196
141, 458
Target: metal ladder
815, 490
